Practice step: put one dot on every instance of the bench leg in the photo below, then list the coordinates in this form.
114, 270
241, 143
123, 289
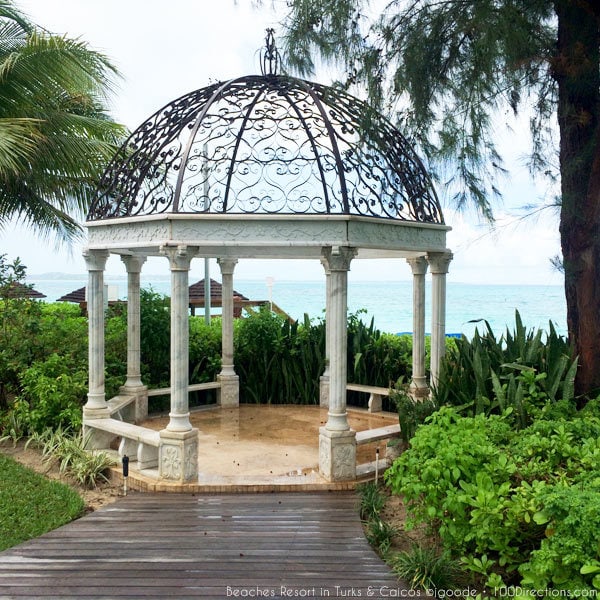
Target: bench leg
127, 448
147, 456
375, 403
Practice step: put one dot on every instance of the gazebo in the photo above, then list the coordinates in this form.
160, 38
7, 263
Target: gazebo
258, 167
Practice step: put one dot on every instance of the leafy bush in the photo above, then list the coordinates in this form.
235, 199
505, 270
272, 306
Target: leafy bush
205, 350
497, 496
19, 329
53, 394
115, 350
372, 500
155, 338
572, 537
412, 412
63, 330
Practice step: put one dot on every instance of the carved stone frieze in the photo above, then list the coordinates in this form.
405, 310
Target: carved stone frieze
190, 467
178, 455
170, 462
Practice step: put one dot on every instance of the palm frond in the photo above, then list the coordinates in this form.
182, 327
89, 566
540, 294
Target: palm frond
18, 140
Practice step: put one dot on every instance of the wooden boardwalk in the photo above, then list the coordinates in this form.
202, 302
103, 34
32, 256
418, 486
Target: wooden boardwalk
308, 545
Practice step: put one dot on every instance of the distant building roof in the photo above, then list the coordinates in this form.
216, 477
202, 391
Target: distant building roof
216, 292
77, 296
196, 293
19, 290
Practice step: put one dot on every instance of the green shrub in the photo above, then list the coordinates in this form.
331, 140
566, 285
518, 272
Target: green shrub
205, 350
497, 496
412, 412
155, 338
53, 394
19, 345
278, 361
64, 331
380, 534
571, 516
372, 500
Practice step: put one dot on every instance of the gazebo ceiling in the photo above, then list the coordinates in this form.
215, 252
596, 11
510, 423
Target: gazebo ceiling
267, 144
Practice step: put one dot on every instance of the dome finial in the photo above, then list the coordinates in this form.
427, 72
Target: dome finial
270, 60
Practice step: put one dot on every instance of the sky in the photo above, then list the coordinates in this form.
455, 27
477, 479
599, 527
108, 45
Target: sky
166, 49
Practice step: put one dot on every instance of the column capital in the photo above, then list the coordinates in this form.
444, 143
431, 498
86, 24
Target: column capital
337, 258
179, 257
418, 264
95, 260
439, 262
227, 265
133, 262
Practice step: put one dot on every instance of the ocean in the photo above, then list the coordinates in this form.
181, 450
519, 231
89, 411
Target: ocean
388, 303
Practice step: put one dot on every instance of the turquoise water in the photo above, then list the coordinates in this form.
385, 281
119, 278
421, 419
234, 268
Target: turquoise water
390, 304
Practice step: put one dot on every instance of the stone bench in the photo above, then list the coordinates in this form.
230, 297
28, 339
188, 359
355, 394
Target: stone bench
118, 404
195, 387
375, 435
368, 469
136, 441
376, 394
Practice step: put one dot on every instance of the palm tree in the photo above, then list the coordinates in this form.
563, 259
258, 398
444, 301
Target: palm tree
55, 133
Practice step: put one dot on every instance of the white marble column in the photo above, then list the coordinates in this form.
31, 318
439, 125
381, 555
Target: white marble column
178, 450
133, 385
230, 387
324, 381
418, 386
96, 406
439, 263
337, 442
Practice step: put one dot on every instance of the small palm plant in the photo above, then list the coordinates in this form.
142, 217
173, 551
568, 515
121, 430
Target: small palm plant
74, 459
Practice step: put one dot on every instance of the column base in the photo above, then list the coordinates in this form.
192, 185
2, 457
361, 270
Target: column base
324, 391
96, 412
178, 456
140, 402
337, 454
337, 422
229, 394
418, 388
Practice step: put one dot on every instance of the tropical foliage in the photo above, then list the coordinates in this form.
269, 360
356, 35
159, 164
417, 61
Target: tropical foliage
55, 133
525, 371
517, 507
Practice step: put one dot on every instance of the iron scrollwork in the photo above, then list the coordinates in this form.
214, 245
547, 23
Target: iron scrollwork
267, 144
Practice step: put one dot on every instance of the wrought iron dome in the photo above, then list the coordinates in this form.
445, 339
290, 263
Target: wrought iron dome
267, 144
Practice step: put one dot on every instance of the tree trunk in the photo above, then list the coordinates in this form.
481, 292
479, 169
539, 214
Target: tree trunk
576, 70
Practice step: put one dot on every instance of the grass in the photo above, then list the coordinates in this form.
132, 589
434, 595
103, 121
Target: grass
31, 505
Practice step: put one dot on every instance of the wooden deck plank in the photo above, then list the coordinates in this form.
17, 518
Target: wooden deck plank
190, 546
